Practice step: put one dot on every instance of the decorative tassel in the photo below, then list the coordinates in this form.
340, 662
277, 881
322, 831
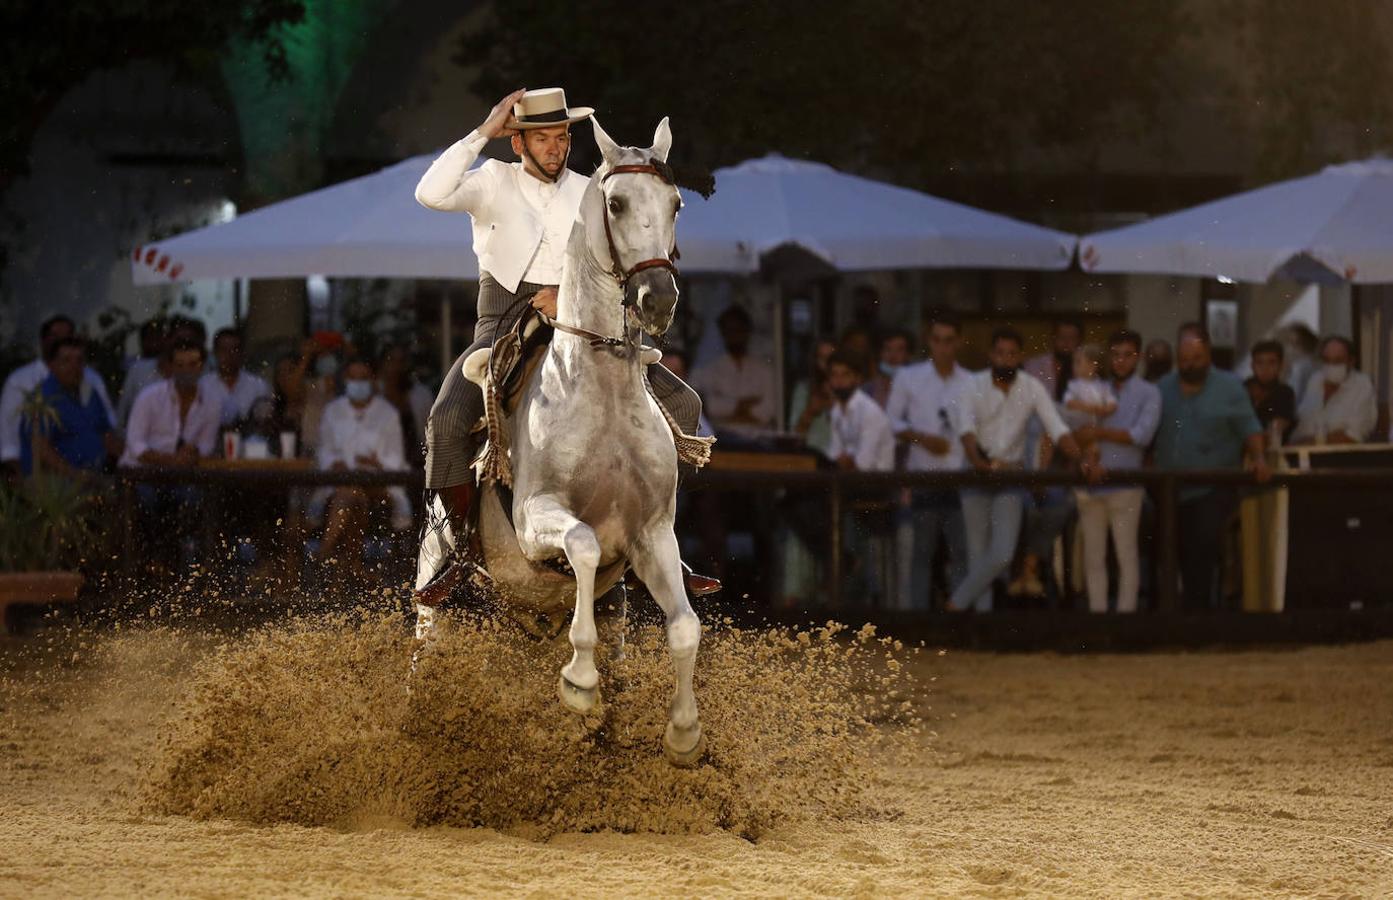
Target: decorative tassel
693, 450
495, 464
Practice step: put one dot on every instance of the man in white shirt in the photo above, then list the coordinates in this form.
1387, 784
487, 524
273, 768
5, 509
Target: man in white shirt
27, 378
923, 412
861, 442
522, 216
174, 424
231, 386
994, 412
360, 431
1338, 406
738, 389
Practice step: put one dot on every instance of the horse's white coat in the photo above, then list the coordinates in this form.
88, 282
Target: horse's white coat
593, 459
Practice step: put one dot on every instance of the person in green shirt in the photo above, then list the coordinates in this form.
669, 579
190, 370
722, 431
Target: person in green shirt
1207, 422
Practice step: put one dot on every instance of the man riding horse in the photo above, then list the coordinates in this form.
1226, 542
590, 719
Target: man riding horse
522, 216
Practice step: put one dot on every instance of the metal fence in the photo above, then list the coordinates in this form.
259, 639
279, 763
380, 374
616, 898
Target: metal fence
838, 487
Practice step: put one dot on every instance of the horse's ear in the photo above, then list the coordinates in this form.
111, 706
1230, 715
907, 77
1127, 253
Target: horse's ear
608, 148
662, 140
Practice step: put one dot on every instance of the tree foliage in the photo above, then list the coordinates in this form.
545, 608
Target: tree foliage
53, 45
903, 88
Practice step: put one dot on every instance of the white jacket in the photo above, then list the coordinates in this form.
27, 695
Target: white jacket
507, 230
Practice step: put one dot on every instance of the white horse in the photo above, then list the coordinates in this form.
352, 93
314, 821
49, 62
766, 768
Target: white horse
593, 458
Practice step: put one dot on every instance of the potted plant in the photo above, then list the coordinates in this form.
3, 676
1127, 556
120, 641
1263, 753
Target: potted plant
47, 526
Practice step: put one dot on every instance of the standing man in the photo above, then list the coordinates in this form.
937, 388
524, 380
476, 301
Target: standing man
24, 380
1274, 401
1054, 369
231, 386
1122, 439
1207, 422
995, 409
522, 215
923, 411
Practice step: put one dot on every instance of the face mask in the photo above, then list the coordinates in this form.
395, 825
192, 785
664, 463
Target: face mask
358, 390
326, 365
888, 370
186, 381
1335, 373
843, 393
1004, 373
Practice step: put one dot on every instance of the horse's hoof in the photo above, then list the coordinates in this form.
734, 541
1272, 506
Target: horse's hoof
684, 746
577, 700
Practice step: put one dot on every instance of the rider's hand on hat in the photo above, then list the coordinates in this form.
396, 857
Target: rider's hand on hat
496, 125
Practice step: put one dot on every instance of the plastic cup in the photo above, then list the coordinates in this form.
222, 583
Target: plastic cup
231, 445
287, 445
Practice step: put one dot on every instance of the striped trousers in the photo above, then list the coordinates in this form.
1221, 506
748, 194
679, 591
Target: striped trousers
450, 443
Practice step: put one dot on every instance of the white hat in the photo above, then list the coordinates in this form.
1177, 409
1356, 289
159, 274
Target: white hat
546, 108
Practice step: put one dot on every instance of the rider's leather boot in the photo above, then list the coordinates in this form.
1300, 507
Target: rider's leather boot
700, 585
458, 500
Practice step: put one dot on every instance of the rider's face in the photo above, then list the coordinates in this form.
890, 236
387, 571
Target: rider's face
548, 146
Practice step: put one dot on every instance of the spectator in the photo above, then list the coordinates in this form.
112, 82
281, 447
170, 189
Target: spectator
861, 442
1121, 439
1054, 369
231, 386
1273, 401
737, 388
856, 343
360, 431
811, 401
1207, 422
995, 409
923, 411
321, 384
1301, 345
896, 347
1338, 406
861, 436
81, 439
154, 337
1159, 361
22, 382
174, 422
411, 399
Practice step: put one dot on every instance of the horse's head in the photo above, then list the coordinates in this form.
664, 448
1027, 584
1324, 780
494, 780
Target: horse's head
640, 204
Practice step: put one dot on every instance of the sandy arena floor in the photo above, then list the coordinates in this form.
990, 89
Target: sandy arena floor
1201, 774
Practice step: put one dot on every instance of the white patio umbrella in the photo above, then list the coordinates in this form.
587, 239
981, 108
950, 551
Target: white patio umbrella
372, 227
1334, 226
856, 224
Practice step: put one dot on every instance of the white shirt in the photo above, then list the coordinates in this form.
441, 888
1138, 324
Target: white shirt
20, 384
557, 217
1351, 409
861, 430
142, 373
155, 423
724, 381
347, 432
922, 400
513, 213
235, 402
999, 419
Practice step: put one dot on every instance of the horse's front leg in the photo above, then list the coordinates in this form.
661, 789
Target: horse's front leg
657, 561
549, 528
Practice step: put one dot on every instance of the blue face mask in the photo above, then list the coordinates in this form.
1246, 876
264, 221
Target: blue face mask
888, 370
326, 365
358, 390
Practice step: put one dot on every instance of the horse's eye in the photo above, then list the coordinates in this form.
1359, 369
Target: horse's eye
616, 205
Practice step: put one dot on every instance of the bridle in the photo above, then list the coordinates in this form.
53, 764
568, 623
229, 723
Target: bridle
622, 275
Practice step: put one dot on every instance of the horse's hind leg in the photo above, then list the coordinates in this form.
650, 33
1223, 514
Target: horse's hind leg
550, 527
659, 564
